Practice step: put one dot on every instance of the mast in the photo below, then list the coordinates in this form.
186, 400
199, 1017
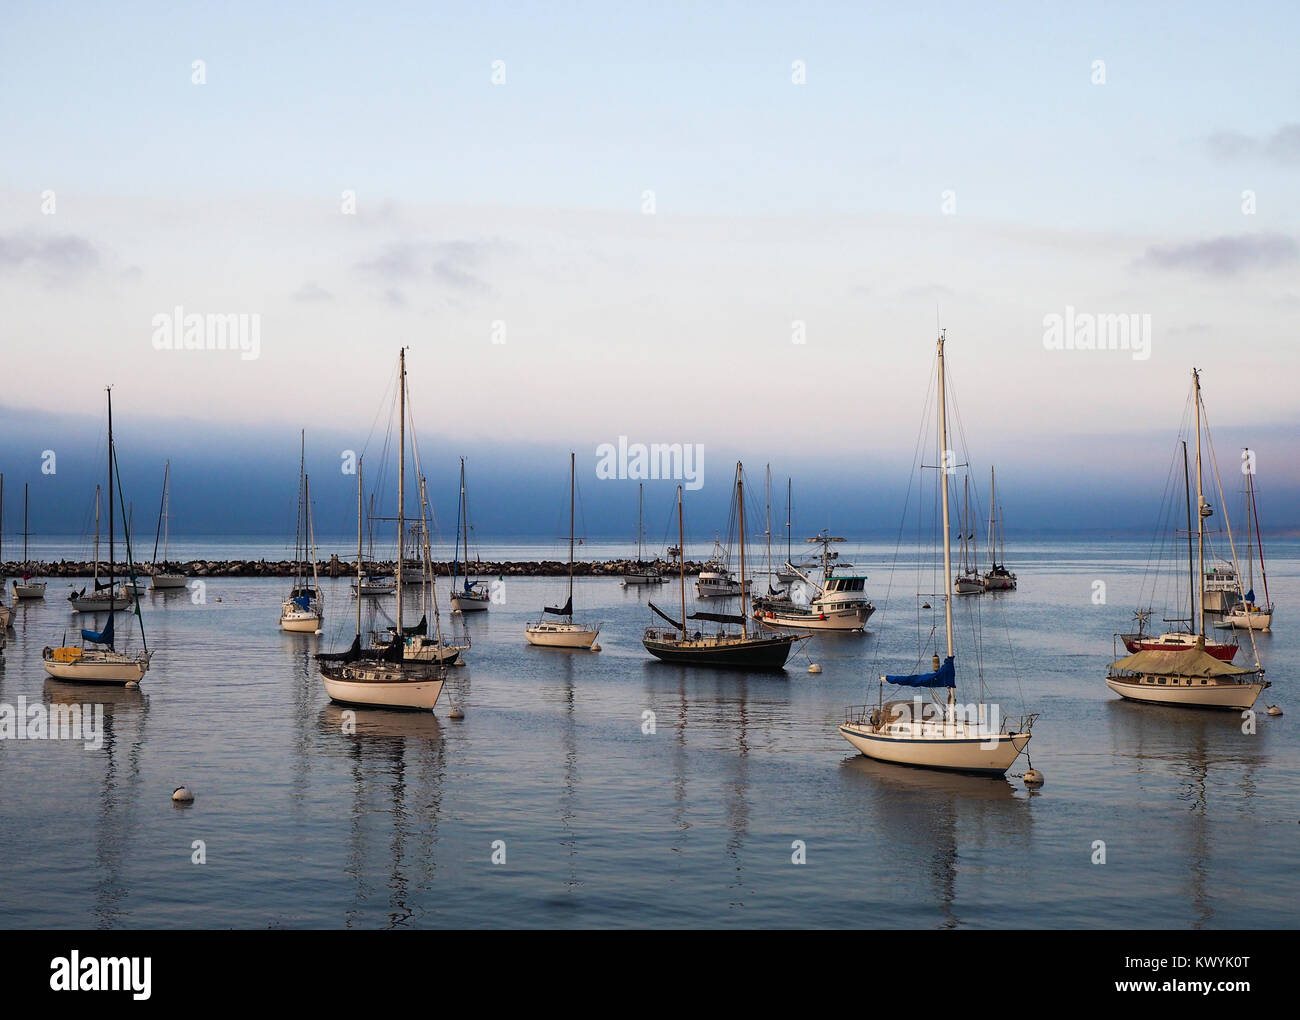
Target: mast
993, 516
571, 490
740, 502
789, 493
1191, 569
464, 501
943, 475
110, 499
681, 556
401, 480
1259, 538
96, 538
1200, 515
640, 493
167, 509
767, 530
310, 539
24, 520
359, 513
298, 528
1250, 552
162, 509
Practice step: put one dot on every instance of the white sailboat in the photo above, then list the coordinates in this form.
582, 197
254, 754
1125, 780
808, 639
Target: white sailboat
968, 581
27, 588
101, 598
304, 610
789, 572
1246, 614
1189, 677
471, 596
931, 734
374, 585
997, 577
162, 579
6, 612
565, 633
387, 677
641, 572
97, 660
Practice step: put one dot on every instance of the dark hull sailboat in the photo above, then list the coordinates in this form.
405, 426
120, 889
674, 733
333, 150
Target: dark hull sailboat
767, 654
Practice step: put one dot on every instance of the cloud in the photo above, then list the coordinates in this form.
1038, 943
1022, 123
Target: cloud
1282, 146
60, 255
1225, 256
312, 292
454, 264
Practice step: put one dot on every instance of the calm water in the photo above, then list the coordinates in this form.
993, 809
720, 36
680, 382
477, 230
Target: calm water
606, 826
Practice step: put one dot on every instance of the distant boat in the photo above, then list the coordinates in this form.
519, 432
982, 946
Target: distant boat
373, 585
162, 579
790, 572
97, 660
1189, 676
304, 610
388, 677
1246, 614
935, 735
471, 597
716, 580
968, 582
997, 577
840, 602
27, 588
103, 597
566, 633
6, 612
641, 572
725, 647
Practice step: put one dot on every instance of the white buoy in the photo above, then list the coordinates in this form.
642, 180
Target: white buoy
595, 648
460, 662
216, 600
318, 633
1033, 778
1274, 709
456, 713
814, 668
182, 795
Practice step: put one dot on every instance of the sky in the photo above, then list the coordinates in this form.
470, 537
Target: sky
738, 227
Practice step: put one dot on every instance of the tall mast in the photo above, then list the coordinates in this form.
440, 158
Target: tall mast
681, 555
740, 502
464, 503
571, 490
1191, 568
993, 516
401, 480
110, 499
298, 528
162, 509
167, 508
359, 513
789, 494
640, 494
768, 526
96, 537
943, 475
25, 520
1250, 553
1200, 514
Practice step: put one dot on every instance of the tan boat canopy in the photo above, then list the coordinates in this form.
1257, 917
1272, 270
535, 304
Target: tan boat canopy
1184, 662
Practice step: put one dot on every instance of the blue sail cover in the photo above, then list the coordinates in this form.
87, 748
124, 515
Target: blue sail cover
303, 602
944, 676
104, 637
1250, 595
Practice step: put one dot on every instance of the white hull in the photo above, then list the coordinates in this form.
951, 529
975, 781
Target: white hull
465, 605
720, 590
835, 619
90, 605
561, 635
926, 746
999, 583
414, 694
300, 623
374, 590
30, 590
1239, 618
1187, 692
968, 585
634, 579
99, 668
166, 582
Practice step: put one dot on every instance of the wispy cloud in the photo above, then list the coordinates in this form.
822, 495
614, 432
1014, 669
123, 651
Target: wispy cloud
312, 292
64, 255
1282, 146
1225, 256
454, 264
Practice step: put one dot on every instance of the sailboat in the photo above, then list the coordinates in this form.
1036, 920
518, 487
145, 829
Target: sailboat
724, 647
642, 573
1189, 676
716, 580
968, 582
161, 578
27, 588
997, 577
937, 735
1245, 613
97, 659
304, 610
374, 585
6, 612
840, 603
1182, 640
789, 572
388, 677
567, 633
103, 596
471, 597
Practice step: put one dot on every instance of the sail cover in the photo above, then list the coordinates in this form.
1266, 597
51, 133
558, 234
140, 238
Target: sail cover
564, 610
351, 655
1190, 662
103, 637
718, 617
665, 616
1250, 595
944, 676
420, 628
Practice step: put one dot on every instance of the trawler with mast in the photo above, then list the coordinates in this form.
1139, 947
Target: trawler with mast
1189, 676
937, 735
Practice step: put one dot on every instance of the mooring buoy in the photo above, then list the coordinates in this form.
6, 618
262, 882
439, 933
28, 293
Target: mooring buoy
814, 668
182, 795
1033, 778
456, 713
1274, 709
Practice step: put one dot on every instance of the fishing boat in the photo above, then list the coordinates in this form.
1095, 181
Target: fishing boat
840, 602
968, 581
642, 572
724, 647
564, 633
1182, 640
1189, 676
304, 610
716, 580
1222, 588
160, 578
1245, 613
997, 577
27, 588
103, 596
384, 678
471, 596
98, 660
937, 734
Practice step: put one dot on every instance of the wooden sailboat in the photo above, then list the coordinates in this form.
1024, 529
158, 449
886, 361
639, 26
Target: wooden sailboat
566, 633
27, 588
1189, 676
162, 579
725, 647
641, 572
931, 734
1246, 613
97, 660
997, 577
470, 597
304, 610
387, 677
